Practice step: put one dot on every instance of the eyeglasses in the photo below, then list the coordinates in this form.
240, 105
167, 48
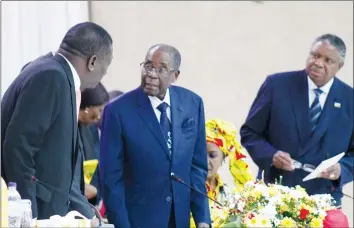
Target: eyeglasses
306, 167
148, 67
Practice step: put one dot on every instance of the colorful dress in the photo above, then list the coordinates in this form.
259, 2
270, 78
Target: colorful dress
223, 134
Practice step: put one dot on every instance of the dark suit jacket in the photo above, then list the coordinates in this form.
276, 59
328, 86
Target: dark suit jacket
89, 140
78, 200
136, 163
279, 120
39, 128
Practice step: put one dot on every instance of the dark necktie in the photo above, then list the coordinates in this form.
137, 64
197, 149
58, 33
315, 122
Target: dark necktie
315, 111
165, 124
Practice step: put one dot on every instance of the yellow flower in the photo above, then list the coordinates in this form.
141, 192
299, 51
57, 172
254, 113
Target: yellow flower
287, 222
272, 191
256, 194
316, 222
298, 187
253, 222
284, 207
264, 222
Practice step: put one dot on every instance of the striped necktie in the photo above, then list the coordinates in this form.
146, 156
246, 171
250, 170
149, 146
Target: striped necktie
315, 110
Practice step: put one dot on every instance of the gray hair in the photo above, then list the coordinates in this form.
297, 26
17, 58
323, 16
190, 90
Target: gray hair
335, 41
176, 56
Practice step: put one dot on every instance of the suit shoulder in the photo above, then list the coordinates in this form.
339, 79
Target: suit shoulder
123, 99
283, 76
41, 67
345, 86
347, 90
186, 93
41, 73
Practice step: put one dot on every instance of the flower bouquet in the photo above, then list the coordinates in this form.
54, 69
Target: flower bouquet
274, 205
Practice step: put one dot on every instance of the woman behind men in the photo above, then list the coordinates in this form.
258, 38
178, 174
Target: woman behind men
92, 104
222, 143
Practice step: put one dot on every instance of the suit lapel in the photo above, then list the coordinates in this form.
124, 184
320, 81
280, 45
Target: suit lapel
176, 116
328, 116
300, 103
70, 77
147, 113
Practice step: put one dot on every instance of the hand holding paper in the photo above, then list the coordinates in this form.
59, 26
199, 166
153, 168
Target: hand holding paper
332, 173
329, 169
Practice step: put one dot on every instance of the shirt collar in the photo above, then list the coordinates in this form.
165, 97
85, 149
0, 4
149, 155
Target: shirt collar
77, 81
219, 186
155, 102
325, 89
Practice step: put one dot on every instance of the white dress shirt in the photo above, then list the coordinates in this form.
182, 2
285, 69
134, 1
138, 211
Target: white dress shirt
77, 84
155, 102
77, 81
323, 96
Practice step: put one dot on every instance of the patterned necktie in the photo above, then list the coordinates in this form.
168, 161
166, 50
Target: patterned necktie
165, 124
315, 110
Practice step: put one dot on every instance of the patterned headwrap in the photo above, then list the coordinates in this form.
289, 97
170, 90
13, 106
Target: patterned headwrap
223, 134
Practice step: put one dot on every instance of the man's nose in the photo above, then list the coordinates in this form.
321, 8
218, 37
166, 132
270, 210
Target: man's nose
319, 62
151, 75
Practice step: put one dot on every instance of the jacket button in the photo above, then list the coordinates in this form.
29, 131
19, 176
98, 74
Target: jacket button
168, 199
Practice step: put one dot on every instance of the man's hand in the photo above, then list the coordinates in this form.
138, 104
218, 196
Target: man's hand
332, 173
282, 160
203, 225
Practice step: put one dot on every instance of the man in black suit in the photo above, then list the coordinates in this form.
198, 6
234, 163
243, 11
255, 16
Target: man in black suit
39, 118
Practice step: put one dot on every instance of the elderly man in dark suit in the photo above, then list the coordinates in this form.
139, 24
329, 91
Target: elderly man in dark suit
147, 134
301, 118
39, 118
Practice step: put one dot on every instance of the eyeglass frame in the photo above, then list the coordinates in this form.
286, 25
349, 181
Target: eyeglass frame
306, 167
143, 66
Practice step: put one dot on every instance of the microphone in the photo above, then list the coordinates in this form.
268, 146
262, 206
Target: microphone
333, 189
34, 179
176, 178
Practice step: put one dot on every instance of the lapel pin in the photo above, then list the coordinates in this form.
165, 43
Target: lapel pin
336, 105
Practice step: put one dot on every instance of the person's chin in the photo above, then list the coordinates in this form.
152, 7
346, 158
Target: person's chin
151, 91
316, 77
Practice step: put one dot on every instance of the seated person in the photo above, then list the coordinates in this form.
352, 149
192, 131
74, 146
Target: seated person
222, 143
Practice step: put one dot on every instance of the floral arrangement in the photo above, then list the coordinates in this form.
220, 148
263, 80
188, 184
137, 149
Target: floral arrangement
273, 205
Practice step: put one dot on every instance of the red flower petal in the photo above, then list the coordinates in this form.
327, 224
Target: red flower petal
304, 213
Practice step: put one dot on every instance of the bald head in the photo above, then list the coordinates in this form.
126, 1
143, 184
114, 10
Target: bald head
170, 50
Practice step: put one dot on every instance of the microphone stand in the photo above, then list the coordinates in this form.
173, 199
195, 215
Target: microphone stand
175, 178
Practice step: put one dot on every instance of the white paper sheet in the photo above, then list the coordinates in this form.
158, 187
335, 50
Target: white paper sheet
323, 166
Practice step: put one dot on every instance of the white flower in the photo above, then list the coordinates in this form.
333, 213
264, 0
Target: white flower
297, 194
276, 222
263, 189
241, 205
269, 211
264, 221
275, 200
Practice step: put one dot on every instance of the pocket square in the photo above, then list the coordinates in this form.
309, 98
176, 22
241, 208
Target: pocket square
188, 123
336, 105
